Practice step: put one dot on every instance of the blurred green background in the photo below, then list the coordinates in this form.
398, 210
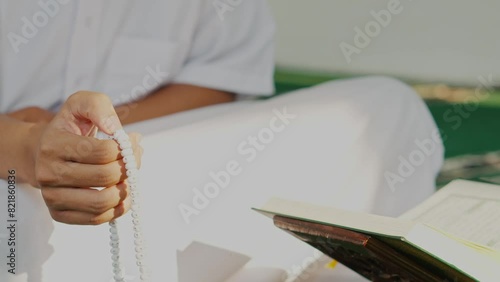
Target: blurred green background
471, 148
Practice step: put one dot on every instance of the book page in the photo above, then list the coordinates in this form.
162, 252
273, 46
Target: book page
465, 209
357, 221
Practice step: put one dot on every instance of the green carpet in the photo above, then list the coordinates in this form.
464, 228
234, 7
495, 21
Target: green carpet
477, 134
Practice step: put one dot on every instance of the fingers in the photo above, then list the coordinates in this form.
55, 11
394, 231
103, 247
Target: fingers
83, 162
67, 157
85, 200
72, 174
96, 108
87, 206
81, 149
83, 218
89, 150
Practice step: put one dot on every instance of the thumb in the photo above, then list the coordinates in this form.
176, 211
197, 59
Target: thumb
90, 108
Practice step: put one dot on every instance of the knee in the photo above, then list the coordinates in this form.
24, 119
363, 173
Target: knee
396, 117
367, 93
383, 88
369, 96
393, 106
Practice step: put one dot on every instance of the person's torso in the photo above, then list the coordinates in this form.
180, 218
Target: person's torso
50, 49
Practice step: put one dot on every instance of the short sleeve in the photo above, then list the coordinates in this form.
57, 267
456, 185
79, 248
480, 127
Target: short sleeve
232, 48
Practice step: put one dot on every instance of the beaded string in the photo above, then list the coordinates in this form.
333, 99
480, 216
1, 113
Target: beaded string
127, 153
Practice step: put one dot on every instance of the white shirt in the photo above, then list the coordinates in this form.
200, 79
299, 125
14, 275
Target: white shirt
50, 49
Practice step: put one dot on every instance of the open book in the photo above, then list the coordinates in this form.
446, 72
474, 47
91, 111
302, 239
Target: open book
452, 236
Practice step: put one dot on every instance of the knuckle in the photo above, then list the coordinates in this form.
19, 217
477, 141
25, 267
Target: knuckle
33, 109
96, 220
46, 149
44, 176
58, 216
100, 96
97, 156
98, 206
52, 200
75, 96
48, 197
80, 148
97, 98
107, 177
103, 151
94, 98
33, 182
110, 147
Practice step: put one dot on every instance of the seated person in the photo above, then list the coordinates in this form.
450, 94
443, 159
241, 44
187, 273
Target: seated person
156, 58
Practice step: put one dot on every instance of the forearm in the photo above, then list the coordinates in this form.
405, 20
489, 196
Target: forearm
16, 143
171, 99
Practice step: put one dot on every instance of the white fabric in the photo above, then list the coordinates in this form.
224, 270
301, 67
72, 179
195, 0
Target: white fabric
346, 135
124, 48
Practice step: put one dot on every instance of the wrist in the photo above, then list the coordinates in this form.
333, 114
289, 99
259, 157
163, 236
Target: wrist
30, 134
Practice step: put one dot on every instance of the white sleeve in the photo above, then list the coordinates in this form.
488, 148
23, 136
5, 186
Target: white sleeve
232, 49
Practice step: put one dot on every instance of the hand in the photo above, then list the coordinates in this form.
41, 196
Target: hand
67, 163
33, 115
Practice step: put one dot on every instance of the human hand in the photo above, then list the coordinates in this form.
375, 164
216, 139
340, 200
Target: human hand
32, 114
68, 162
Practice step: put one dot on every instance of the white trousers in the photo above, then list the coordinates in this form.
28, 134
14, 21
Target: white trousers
366, 144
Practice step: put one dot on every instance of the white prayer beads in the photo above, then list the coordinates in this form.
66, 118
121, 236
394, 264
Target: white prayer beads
131, 167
